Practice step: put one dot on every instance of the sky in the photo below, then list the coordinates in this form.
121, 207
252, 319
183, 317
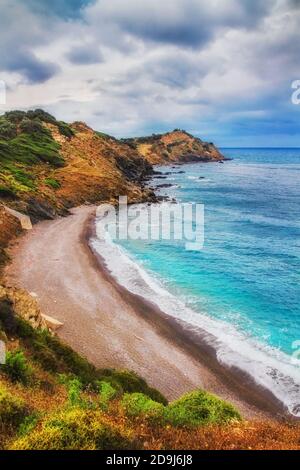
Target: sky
221, 69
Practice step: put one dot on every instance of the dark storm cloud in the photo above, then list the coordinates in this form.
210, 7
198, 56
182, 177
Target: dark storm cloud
182, 22
32, 69
84, 55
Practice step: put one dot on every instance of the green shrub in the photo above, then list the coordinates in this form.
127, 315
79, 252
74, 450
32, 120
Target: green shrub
31, 145
76, 429
46, 349
16, 367
74, 392
199, 408
107, 393
20, 176
44, 356
15, 116
130, 382
42, 115
104, 136
68, 360
52, 183
12, 410
33, 126
8, 130
138, 404
28, 424
65, 129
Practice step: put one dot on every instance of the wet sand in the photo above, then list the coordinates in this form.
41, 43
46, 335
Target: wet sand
114, 328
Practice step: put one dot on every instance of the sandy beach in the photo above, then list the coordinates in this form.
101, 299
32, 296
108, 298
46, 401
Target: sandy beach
113, 328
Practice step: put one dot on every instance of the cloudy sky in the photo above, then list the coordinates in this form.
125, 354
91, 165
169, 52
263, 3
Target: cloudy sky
221, 69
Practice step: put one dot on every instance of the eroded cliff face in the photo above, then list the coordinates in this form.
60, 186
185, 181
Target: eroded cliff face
177, 146
98, 168
9, 227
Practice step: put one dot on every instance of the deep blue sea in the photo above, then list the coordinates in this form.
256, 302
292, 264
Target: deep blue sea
243, 287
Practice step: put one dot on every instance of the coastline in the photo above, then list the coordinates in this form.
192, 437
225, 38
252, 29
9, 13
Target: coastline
115, 328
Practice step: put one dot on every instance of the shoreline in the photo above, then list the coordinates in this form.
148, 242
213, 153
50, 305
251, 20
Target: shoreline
172, 328
113, 327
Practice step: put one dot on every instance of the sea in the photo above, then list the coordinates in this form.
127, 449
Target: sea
242, 289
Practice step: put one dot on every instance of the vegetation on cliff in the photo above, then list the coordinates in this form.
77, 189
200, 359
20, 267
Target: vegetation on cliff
51, 398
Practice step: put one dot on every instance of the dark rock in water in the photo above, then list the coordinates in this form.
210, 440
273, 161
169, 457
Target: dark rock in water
162, 198
166, 185
160, 177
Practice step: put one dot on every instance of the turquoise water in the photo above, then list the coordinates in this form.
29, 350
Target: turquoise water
247, 277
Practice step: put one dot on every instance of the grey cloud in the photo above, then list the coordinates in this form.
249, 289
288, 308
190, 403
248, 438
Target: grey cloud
176, 70
85, 55
20, 33
33, 69
181, 22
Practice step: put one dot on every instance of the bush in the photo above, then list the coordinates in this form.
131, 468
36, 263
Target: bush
46, 349
52, 183
12, 410
199, 408
16, 367
131, 383
76, 429
28, 424
74, 391
138, 404
65, 129
107, 393
42, 115
68, 360
46, 358
15, 116
33, 144
21, 176
33, 126
8, 130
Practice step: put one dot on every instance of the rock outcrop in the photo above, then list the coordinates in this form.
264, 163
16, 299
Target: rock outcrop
177, 146
24, 305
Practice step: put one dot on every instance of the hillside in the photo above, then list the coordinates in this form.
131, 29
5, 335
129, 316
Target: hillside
48, 166
51, 398
176, 146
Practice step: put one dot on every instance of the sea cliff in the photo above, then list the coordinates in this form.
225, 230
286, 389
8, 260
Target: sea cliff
48, 166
